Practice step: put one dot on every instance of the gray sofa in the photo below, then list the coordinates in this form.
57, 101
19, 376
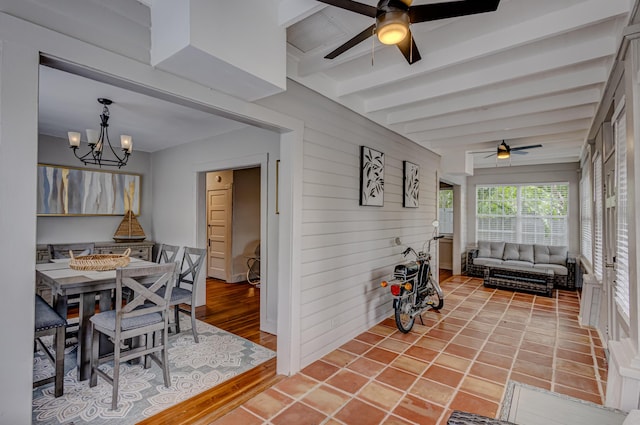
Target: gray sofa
525, 257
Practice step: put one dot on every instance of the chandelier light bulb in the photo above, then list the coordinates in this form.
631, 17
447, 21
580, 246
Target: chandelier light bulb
92, 136
126, 143
74, 138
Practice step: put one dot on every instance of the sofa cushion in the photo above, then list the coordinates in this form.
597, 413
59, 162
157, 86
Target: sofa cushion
486, 261
557, 268
490, 249
544, 254
518, 251
523, 264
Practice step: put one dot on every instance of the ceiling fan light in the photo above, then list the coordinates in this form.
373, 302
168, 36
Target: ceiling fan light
392, 27
503, 154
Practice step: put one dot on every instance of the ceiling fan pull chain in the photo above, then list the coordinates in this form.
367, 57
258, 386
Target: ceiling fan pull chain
373, 45
410, 48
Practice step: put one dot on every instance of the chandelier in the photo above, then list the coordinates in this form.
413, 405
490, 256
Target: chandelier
99, 140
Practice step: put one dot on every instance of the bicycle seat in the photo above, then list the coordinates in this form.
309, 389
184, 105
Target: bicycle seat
405, 271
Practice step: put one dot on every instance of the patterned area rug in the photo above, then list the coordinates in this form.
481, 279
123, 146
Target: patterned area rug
194, 368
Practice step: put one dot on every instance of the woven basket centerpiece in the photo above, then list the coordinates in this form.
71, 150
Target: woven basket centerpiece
99, 262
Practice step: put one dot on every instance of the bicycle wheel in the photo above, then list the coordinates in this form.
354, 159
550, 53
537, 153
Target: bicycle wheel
253, 272
404, 321
434, 295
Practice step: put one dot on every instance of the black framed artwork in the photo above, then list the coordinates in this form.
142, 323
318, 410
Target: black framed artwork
410, 184
371, 177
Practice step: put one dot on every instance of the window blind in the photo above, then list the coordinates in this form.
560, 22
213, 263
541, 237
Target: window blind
621, 287
586, 240
535, 213
597, 222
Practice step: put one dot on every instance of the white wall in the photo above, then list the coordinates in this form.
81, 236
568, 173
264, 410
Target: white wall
18, 157
179, 195
55, 151
551, 173
348, 249
21, 42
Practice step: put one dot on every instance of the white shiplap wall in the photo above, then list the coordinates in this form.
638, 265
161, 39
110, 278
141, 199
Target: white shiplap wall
348, 249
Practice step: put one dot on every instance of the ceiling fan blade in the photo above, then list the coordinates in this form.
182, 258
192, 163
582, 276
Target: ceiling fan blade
368, 32
489, 156
354, 6
519, 148
409, 49
515, 152
433, 12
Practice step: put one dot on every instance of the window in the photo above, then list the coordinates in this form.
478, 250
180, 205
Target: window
445, 216
621, 286
536, 213
586, 214
597, 223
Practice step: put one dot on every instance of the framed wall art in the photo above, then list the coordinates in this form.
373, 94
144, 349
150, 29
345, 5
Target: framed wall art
410, 184
371, 177
81, 191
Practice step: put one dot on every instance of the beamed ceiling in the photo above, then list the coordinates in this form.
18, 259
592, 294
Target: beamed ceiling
533, 72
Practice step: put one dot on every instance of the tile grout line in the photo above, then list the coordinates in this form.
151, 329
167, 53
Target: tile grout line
511, 302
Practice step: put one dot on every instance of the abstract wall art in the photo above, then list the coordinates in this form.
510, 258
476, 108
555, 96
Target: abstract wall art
411, 185
81, 191
371, 177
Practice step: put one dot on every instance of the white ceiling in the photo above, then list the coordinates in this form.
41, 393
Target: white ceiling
69, 102
532, 72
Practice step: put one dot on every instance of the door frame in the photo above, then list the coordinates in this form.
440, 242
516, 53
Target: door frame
268, 294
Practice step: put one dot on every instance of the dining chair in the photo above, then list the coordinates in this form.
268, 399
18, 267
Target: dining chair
167, 253
145, 315
61, 250
49, 322
186, 287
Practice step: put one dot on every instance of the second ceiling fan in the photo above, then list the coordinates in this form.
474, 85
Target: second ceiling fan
504, 151
393, 18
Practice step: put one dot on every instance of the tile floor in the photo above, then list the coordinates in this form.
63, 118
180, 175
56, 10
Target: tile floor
462, 358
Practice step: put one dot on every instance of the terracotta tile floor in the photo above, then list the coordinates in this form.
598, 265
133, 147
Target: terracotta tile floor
461, 358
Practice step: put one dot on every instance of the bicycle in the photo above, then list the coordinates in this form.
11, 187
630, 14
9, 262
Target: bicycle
253, 268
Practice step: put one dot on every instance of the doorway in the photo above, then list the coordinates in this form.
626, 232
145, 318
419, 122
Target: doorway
251, 221
233, 222
445, 218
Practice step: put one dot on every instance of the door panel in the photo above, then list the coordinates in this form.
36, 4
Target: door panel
610, 232
219, 238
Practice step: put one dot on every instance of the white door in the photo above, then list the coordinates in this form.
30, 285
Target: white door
609, 234
219, 210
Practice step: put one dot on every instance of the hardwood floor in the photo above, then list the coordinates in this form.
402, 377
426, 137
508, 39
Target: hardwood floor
444, 274
234, 307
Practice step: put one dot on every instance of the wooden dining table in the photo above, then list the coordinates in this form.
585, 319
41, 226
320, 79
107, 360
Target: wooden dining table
65, 282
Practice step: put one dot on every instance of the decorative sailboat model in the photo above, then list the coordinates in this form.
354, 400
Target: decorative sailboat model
129, 229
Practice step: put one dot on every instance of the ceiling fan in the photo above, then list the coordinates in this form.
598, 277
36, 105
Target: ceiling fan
393, 18
504, 151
